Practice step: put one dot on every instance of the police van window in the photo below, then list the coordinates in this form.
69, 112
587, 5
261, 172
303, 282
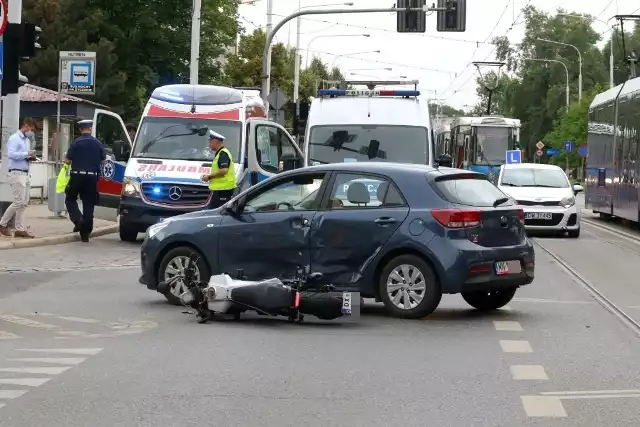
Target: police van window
356, 191
361, 143
108, 130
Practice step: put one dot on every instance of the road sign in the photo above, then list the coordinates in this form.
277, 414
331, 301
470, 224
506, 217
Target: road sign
568, 146
539, 153
4, 16
514, 157
277, 99
552, 151
77, 73
583, 151
540, 145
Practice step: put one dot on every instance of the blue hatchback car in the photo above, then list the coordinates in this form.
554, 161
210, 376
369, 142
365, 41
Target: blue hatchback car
403, 234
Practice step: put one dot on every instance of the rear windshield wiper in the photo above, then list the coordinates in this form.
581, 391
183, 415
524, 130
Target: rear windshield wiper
500, 201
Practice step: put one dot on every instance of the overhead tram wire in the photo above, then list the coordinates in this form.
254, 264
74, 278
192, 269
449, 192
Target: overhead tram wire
490, 53
470, 61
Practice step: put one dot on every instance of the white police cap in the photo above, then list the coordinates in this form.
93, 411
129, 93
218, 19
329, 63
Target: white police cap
215, 135
84, 124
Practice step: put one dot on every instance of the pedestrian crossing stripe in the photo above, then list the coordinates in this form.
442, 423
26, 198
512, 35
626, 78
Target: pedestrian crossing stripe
8, 335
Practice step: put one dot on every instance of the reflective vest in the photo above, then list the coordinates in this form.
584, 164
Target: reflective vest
228, 180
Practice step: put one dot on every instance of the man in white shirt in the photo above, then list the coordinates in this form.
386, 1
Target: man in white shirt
19, 155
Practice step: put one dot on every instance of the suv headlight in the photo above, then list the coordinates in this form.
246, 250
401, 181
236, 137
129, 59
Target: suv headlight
567, 202
130, 187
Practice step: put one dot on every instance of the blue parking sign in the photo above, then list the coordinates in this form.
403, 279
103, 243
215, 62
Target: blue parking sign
514, 157
568, 146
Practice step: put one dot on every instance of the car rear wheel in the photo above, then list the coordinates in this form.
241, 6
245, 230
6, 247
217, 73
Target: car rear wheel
489, 300
409, 288
174, 264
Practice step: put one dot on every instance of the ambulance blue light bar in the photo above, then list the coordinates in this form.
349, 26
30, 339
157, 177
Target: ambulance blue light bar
360, 92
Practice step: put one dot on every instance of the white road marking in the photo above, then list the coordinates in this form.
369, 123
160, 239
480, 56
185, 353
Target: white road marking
528, 372
30, 382
507, 326
86, 351
7, 335
57, 360
77, 319
37, 325
516, 346
543, 406
552, 301
37, 370
506, 308
599, 396
1, 405
11, 394
571, 393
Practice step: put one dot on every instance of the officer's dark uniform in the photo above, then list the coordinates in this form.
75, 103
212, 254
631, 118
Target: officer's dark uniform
86, 155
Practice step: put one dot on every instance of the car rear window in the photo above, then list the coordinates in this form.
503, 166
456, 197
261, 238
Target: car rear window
468, 190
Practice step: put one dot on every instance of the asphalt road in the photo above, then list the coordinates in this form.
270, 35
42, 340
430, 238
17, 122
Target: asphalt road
83, 344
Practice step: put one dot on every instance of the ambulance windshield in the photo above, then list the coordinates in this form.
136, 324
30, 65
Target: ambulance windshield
175, 138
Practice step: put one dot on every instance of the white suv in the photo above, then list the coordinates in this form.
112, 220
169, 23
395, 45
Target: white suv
545, 194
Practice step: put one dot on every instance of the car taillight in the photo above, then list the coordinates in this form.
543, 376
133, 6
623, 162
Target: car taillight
457, 218
521, 216
296, 300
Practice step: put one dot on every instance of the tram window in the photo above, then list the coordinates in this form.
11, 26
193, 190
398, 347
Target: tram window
601, 177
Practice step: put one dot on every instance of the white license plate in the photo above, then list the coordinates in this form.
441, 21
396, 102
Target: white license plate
538, 215
346, 303
508, 267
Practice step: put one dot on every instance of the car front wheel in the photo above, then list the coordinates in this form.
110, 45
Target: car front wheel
489, 300
173, 267
409, 288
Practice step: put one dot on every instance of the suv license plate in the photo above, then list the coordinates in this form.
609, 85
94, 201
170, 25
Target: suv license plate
346, 303
508, 267
538, 215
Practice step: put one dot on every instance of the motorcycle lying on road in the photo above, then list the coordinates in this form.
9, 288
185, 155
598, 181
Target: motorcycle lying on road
305, 294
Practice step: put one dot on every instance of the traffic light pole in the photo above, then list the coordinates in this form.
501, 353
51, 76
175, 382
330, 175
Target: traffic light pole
10, 118
266, 66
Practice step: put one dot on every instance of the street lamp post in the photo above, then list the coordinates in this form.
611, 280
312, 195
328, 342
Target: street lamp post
329, 35
566, 70
349, 54
579, 60
611, 59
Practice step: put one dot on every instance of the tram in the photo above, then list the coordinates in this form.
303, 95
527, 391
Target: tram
480, 143
613, 137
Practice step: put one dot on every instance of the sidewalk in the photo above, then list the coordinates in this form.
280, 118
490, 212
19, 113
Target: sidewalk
50, 229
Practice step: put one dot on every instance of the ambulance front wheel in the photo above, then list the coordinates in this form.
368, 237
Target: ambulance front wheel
128, 234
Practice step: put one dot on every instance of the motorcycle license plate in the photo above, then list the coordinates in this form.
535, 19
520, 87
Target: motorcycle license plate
346, 303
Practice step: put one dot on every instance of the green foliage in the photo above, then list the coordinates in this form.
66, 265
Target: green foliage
447, 110
138, 44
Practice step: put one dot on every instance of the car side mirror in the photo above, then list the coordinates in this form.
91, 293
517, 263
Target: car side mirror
577, 188
289, 162
234, 207
445, 161
121, 151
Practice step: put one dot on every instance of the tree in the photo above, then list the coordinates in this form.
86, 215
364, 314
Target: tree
140, 44
621, 64
446, 110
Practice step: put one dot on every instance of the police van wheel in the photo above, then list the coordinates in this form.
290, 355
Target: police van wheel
128, 234
173, 264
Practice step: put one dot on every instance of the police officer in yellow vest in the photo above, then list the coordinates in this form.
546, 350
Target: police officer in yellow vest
222, 179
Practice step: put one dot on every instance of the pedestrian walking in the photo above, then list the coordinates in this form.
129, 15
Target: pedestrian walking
19, 154
222, 179
85, 155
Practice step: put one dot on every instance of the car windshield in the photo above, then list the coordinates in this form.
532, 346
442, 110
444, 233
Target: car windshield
361, 143
493, 143
177, 138
534, 177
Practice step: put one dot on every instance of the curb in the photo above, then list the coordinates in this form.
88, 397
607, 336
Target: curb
56, 240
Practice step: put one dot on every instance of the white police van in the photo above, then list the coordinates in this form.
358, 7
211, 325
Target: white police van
359, 125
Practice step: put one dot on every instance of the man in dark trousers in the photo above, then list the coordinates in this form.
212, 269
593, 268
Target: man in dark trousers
222, 179
85, 155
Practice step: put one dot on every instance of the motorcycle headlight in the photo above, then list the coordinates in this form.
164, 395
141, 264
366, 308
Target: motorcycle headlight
156, 228
567, 202
130, 187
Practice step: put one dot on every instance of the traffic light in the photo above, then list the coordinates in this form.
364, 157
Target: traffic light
20, 43
411, 21
454, 19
